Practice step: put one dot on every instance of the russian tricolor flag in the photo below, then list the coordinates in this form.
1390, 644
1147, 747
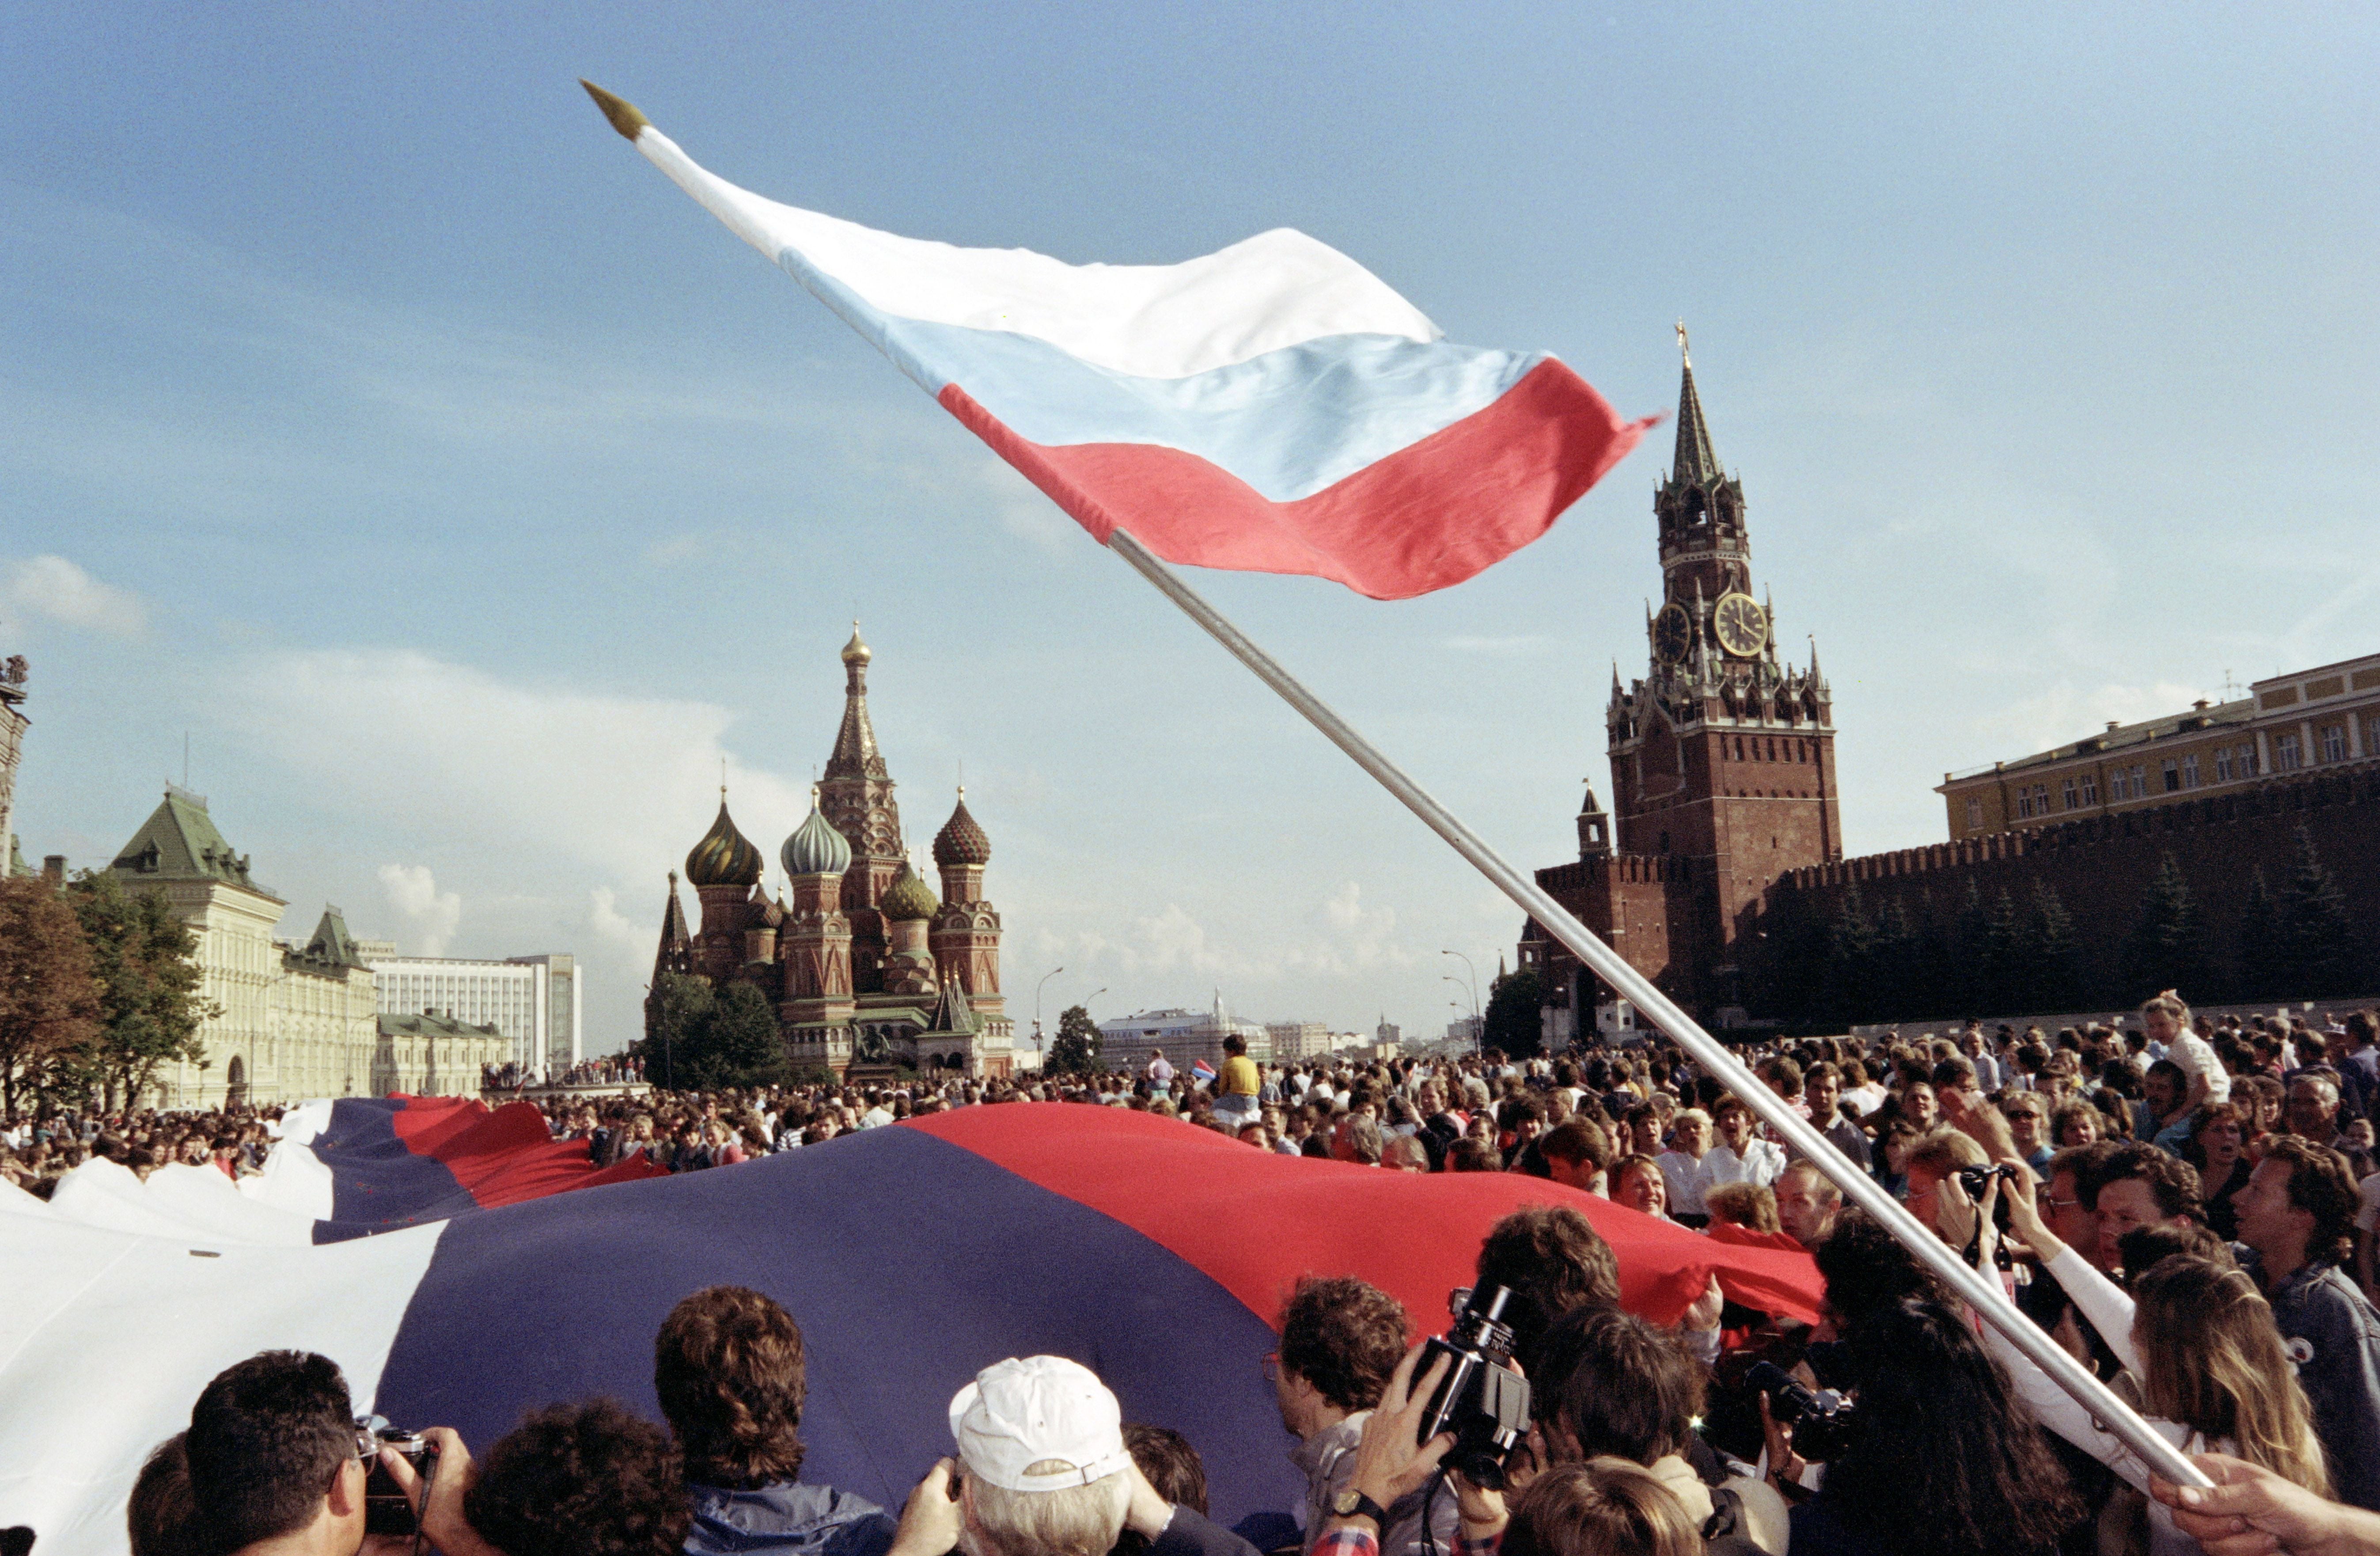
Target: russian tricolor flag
1272, 406
1202, 1072
1153, 1252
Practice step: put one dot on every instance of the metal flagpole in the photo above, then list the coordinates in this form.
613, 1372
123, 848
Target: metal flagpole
1980, 1292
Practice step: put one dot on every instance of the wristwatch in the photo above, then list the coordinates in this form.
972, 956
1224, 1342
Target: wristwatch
1352, 1503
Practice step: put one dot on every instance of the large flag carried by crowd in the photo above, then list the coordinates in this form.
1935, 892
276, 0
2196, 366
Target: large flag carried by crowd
461, 1268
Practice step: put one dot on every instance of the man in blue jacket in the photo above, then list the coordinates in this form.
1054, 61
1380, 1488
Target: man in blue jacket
729, 1370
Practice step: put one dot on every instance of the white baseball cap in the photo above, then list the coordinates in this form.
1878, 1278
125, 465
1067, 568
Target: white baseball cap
1018, 1413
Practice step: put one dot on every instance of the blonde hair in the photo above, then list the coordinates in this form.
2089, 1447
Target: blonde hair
2215, 1363
1944, 1151
2166, 1002
1604, 1507
1074, 1521
1690, 1115
1744, 1203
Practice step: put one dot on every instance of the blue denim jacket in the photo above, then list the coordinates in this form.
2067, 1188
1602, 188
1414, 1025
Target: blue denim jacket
2331, 1331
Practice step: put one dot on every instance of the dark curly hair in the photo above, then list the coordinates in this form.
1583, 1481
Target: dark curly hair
728, 1366
581, 1480
1866, 1268
2172, 1182
1344, 1336
1946, 1461
2322, 1185
1551, 1260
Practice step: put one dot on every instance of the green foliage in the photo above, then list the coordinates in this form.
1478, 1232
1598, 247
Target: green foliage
150, 1003
2167, 948
2318, 938
1514, 1023
2052, 957
702, 1038
2261, 963
1076, 1050
49, 999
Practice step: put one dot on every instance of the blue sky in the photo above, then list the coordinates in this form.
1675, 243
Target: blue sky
372, 413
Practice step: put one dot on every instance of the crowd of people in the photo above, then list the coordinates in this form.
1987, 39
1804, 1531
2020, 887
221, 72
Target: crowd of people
2186, 1206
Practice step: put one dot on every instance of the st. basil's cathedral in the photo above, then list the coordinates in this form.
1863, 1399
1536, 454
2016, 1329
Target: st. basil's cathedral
864, 964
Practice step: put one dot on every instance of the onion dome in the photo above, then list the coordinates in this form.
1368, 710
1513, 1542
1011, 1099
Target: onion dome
816, 848
855, 651
764, 914
724, 857
961, 841
908, 897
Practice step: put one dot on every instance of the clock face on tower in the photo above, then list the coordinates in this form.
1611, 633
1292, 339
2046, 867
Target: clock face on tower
1673, 634
1742, 624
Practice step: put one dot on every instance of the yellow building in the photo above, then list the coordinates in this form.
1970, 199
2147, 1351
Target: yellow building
2323, 717
290, 1024
434, 1055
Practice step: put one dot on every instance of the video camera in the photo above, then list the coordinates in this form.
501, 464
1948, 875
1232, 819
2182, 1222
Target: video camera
387, 1510
1483, 1399
1822, 1420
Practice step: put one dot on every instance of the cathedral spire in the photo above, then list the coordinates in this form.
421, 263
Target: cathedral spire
855, 755
1695, 463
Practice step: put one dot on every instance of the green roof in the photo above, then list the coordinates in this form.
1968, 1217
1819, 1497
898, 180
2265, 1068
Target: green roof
431, 1026
178, 841
332, 945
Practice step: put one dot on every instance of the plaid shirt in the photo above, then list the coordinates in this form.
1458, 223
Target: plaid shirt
1359, 1539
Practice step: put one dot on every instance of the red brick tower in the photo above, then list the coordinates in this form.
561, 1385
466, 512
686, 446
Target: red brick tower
1722, 757
965, 934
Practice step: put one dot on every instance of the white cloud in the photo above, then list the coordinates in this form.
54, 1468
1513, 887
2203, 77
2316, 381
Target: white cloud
615, 928
2066, 712
429, 915
55, 588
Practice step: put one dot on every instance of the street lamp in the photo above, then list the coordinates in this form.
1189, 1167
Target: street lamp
1478, 1018
1036, 1002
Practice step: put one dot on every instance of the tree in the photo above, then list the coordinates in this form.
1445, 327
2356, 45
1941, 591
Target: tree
737, 1044
2318, 938
2165, 950
2263, 968
1972, 951
1851, 959
681, 1010
1515, 1018
2052, 954
150, 1005
2004, 973
49, 1001
1076, 1050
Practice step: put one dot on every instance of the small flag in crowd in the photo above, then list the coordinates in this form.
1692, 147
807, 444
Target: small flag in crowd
1202, 1072
1272, 406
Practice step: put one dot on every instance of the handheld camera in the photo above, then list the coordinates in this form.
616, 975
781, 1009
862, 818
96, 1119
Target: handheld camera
1483, 1399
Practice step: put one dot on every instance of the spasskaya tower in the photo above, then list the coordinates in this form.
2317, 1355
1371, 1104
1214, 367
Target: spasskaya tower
1722, 763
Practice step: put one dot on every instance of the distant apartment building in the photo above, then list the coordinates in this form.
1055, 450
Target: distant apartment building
2326, 717
534, 1001
1292, 1040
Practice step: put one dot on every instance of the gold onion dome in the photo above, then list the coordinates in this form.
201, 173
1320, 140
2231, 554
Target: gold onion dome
724, 857
855, 651
908, 897
961, 841
815, 848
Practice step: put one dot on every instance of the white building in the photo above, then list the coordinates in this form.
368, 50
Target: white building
533, 1000
1186, 1035
1292, 1040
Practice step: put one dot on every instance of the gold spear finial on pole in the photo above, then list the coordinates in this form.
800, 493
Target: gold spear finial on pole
619, 110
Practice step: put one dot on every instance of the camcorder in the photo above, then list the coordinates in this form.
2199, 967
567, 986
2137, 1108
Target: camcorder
1822, 1420
1483, 1399
387, 1510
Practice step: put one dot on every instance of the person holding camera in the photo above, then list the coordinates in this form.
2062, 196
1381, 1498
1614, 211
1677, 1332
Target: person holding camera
1608, 1384
275, 1464
1341, 1340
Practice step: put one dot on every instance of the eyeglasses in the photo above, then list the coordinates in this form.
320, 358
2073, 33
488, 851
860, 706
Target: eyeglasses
1272, 1367
2049, 1201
